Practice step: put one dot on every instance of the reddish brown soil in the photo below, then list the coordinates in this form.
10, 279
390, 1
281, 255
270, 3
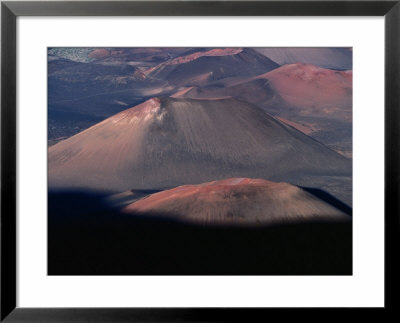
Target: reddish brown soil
99, 53
236, 200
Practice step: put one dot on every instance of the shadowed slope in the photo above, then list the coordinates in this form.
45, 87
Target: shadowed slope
168, 142
237, 201
86, 237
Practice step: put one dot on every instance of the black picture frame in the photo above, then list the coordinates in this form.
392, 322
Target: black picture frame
10, 10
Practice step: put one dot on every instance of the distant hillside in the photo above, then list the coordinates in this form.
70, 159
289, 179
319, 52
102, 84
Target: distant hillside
335, 58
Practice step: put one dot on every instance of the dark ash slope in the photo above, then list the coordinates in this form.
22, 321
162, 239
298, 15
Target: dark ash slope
168, 142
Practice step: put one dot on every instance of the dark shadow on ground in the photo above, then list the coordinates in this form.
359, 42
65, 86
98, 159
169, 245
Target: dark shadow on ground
330, 199
87, 237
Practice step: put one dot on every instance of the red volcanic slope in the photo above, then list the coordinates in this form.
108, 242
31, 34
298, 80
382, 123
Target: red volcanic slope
314, 100
194, 56
305, 90
256, 91
235, 201
181, 92
99, 53
316, 90
201, 67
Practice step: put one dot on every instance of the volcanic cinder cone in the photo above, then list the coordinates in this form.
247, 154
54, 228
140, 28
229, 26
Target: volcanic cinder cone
296, 89
315, 100
215, 64
168, 142
235, 201
314, 90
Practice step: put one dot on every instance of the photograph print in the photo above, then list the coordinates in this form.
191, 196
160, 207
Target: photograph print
200, 161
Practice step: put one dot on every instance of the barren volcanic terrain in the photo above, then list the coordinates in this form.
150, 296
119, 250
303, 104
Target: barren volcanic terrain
314, 90
306, 86
202, 67
166, 142
307, 97
197, 161
237, 201
86, 84
333, 58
